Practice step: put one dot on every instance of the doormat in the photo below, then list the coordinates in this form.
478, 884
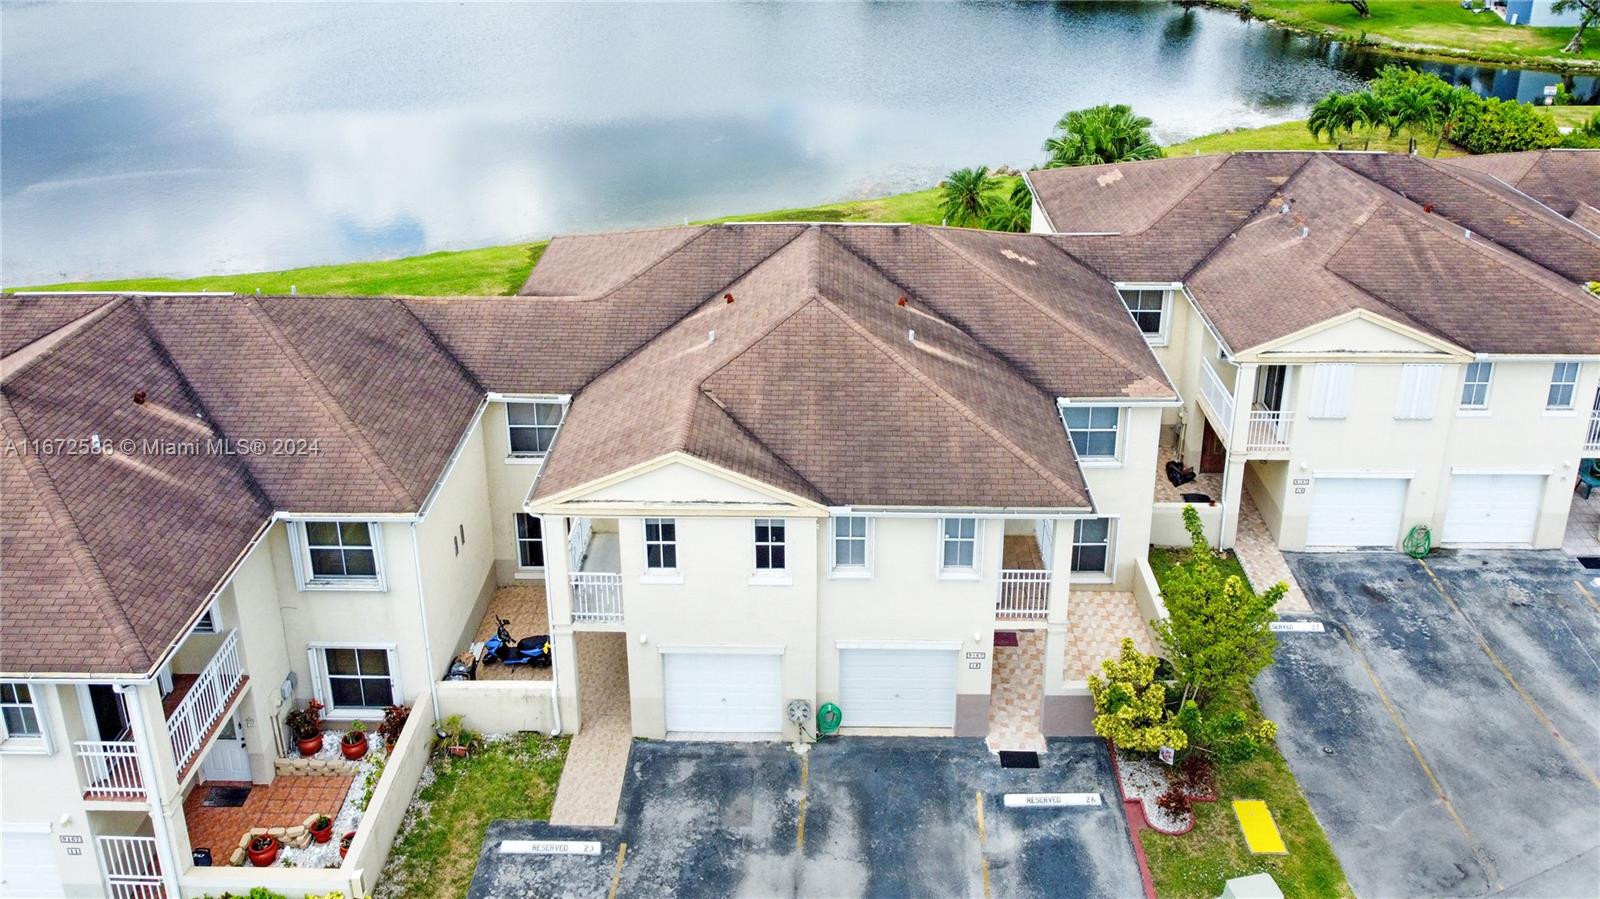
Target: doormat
1010, 758
1196, 497
1590, 562
225, 797
1005, 638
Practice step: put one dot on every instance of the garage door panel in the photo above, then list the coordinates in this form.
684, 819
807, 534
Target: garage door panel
1493, 508
723, 692
1350, 512
28, 866
885, 687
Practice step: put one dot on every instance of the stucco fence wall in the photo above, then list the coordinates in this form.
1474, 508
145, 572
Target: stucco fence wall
500, 707
1167, 527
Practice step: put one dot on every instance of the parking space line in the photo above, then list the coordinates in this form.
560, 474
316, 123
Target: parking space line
1587, 595
1568, 748
616, 875
1416, 751
800, 828
983, 859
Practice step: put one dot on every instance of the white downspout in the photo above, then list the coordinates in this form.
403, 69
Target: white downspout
549, 627
422, 612
147, 771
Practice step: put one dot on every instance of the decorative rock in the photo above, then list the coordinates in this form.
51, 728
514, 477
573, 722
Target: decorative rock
244, 841
237, 858
277, 831
295, 832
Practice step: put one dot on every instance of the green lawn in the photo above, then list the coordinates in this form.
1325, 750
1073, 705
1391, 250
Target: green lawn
1572, 116
436, 850
1162, 559
1430, 26
1294, 136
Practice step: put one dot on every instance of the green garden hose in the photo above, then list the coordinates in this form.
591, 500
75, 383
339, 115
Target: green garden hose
828, 718
1418, 542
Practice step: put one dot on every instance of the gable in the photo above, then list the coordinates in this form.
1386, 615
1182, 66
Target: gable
677, 481
1356, 334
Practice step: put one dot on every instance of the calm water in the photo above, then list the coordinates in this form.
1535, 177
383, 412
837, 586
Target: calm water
177, 139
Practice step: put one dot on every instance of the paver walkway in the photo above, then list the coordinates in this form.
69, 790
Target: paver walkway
1262, 560
287, 802
1016, 693
1583, 527
1097, 621
597, 761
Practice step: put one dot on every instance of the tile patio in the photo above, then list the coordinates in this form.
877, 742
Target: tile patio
1263, 563
523, 605
1098, 621
286, 802
1209, 484
597, 760
1016, 692
1583, 527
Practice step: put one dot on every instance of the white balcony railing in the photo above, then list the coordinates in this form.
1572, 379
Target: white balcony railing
132, 866
203, 706
1269, 430
1592, 445
596, 596
1218, 396
110, 769
1024, 595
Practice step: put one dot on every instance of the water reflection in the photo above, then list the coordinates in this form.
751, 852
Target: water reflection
185, 139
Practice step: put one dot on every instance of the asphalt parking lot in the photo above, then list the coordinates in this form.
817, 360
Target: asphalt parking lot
1447, 732
881, 817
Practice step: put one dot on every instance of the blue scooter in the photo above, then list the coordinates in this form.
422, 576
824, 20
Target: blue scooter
503, 649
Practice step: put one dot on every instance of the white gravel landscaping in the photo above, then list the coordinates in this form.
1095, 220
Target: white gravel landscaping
326, 855
1146, 779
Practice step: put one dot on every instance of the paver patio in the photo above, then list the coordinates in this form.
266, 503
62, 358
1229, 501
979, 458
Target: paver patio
597, 761
1015, 693
1261, 559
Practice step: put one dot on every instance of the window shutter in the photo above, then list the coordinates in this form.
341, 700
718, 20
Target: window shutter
1419, 391
1332, 385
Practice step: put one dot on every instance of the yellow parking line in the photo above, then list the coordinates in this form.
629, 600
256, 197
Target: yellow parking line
616, 875
800, 829
983, 860
1505, 672
1587, 595
1416, 751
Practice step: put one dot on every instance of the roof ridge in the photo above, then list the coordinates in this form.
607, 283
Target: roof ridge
1459, 175
1083, 333
330, 404
704, 230
1208, 254
949, 398
1223, 159
82, 323
104, 597
754, 438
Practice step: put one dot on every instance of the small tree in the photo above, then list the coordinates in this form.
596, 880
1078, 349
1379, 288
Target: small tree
1014, 213
1131, 706
1589, 14
1100, 134
966, 197
1216, 633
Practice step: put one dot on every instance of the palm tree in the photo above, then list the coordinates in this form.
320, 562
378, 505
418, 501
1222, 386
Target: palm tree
1014, 213
1412, 111
1100, 134
966, 202
1334, 113
1372, 110
1453, 106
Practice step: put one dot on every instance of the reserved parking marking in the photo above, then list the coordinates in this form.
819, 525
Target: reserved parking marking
983, 860
1051, 800
616, 875
550, 847
1296, 627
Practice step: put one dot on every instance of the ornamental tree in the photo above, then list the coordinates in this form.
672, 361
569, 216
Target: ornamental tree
1131, 706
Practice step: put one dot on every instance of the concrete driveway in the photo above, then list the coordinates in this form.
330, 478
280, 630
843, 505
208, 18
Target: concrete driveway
1446, 726
881, 817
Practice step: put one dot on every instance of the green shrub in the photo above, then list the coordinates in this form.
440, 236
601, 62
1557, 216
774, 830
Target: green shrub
1131, 705
1506, 126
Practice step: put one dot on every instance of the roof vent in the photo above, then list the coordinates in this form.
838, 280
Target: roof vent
1466, 233
911, 335
712, 337
1286, 206
900, 302
138, 397
1428, 208
727, 298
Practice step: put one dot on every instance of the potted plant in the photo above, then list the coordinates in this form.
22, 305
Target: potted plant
322, 829
394, 721
354, 742
263, 850
306, 724
452, 732
344, 843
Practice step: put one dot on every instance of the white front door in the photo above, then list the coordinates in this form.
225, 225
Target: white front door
227, 759
1493, 508
1350, 512
732, 692
28, 865
886, 687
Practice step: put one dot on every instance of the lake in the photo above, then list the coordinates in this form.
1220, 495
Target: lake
190, 139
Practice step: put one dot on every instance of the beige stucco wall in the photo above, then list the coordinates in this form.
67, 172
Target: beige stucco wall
1127, 490
40, 790
508, 482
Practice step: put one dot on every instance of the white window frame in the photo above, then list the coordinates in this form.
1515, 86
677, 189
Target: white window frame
29, 744
1163, 334
1556, 371
302, 559
1097, 461
837, 570
1418, 392
769, 576
1091, 576
517, 540
1332, 390
1486, 369
322, 687
960, 572
663, 570
535, 455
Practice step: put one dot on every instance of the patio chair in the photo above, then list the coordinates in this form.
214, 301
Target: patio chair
1588, 477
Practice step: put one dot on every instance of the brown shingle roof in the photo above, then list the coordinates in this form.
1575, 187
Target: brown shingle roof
1560, 179
26, 319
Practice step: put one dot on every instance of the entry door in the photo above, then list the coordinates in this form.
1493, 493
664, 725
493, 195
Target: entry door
738, 693
1493, 508
28, 866
1351, 512
1269, 387
228, 759
110, 716
1213, 455
911, 687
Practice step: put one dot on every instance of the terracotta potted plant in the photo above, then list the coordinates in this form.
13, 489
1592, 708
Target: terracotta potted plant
263, 850
322, 829
454, 733
344, 843
354, 742
306, 724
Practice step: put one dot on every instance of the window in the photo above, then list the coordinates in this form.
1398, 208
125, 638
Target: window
19, 713
1419, 391
359, 678
1148, 308
959, 544
340, 552
850, 543
1091, 545
530, 541
1332, 385
1093, 430
1563, 385
532, 427
769, 544
660, 544
1475, 387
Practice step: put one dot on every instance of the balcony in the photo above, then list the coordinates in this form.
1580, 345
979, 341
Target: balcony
1592, 443
195, 711
594, 563
110, 770
596, 597
1268, 433
1218, 397
1025, 576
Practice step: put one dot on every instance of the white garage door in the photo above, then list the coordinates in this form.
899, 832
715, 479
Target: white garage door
1493, 508
28, 866
898, 687
1356, 511
724, 692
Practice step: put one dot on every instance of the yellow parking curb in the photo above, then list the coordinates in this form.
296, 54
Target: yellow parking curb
1260, 831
